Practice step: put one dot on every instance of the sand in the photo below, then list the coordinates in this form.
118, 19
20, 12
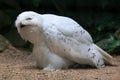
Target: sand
15, 64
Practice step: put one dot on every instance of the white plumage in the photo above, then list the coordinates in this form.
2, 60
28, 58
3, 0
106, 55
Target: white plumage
59, 41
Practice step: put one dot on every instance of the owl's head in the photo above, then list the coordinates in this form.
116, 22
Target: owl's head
27, 24
27, 18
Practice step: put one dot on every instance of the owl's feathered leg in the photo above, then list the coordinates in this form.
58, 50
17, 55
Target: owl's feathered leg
48, 60
98, 56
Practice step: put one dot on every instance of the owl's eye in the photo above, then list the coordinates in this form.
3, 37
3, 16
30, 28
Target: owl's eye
28, 18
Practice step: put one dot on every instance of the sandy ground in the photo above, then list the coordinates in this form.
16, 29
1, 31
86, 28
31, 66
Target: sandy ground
15, 65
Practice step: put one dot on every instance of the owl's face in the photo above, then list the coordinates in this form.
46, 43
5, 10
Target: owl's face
27, 24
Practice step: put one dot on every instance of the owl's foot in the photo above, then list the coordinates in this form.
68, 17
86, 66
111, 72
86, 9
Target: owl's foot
50, 68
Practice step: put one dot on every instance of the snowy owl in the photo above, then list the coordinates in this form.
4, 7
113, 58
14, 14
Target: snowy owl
59, 41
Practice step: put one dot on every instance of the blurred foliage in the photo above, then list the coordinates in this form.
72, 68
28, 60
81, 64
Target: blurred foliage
4, 43
110, 44
101, 18
36, 3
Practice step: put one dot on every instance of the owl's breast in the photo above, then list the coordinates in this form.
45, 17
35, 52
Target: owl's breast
32, 34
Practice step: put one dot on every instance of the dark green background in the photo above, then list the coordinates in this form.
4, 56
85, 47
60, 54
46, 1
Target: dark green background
101, 18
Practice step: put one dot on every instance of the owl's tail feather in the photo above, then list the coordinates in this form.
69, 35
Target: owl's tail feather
108, 58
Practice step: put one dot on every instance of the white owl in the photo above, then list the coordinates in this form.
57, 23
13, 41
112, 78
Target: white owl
59, 41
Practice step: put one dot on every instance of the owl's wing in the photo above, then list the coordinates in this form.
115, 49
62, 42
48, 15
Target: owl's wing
70, 28
67, 38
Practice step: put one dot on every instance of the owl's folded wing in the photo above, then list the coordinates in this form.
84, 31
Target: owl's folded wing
72, 29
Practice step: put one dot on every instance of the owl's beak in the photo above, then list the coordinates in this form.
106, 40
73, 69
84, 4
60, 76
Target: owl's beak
22, 25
